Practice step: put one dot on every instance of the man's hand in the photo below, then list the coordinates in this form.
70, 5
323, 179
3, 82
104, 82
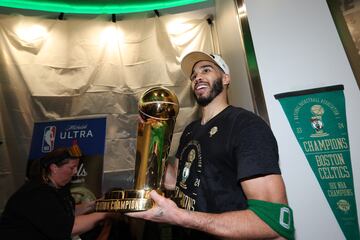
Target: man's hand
164, 210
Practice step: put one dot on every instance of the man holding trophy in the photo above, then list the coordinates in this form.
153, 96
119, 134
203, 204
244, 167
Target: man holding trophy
226, 177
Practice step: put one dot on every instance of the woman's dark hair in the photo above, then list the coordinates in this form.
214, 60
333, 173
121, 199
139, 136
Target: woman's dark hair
34, 170
58, 156
39, 168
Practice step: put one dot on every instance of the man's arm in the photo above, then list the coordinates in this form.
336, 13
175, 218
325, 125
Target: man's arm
242, 224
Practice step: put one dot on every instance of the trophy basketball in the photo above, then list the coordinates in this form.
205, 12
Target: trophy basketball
158, 108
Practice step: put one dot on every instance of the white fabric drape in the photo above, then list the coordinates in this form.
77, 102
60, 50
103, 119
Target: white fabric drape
79, 68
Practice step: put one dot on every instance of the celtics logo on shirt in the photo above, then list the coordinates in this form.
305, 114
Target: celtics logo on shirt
186, 169
189, 175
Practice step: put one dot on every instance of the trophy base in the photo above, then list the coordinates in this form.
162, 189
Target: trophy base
125, 201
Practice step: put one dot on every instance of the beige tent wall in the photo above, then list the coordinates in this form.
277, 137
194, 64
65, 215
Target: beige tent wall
88, 67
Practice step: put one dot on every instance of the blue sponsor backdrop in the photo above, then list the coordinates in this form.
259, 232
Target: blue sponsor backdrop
89, 134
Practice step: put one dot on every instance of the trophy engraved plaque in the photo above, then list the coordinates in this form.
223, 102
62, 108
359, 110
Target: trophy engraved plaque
158, 108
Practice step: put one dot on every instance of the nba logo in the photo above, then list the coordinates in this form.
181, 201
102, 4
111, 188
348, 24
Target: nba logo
48, 139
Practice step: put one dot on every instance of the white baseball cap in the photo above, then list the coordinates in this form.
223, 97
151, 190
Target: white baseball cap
192, 58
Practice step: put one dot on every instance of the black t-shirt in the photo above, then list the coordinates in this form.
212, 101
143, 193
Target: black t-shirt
214, 158
38, 211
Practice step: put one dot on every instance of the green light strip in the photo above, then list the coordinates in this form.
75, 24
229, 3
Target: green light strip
96, 6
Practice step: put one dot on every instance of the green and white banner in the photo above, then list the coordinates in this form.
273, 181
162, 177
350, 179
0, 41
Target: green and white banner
318, 120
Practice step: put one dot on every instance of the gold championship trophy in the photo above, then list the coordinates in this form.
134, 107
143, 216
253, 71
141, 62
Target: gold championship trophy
158, 108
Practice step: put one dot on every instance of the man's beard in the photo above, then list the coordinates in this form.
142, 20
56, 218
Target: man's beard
216, 89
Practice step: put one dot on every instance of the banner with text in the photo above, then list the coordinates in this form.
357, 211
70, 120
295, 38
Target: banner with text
89, 134
318, 120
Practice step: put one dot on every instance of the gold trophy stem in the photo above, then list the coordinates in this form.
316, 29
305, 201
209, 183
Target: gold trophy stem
158, 108
144, 140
